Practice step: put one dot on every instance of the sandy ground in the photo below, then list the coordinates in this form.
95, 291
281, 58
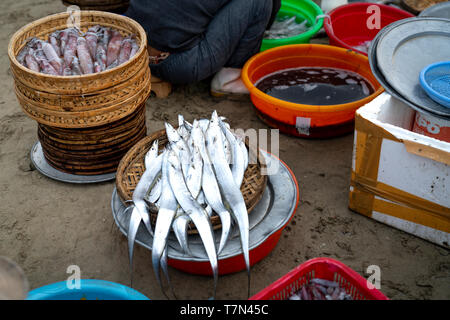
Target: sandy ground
46, 226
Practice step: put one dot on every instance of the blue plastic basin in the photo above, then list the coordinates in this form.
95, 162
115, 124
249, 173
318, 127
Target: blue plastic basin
89, 290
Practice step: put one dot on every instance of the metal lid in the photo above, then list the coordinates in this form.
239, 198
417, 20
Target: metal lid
38, 160
380, 78
274, 210
438, 10
404, 49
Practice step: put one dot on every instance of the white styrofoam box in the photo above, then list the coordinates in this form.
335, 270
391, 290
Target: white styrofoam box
413, 163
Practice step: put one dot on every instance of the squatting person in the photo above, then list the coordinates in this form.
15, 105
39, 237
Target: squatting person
191, 40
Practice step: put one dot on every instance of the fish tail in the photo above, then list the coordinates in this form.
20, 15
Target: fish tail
159, 242
132, 231
244, 235
207, 237
225, 219
166, 271
156, 265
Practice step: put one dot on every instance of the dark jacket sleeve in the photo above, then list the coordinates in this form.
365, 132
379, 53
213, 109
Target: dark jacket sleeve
275, 8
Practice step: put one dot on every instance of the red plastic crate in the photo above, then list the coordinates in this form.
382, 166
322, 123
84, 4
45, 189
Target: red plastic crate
324, 268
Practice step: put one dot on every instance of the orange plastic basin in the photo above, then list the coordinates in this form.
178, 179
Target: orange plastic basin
304, 120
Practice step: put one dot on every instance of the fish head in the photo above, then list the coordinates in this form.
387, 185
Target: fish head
172, 134
152, 153
204, 124
187, 125
180, 120
223, 124
214, 137
214, 117
155, 145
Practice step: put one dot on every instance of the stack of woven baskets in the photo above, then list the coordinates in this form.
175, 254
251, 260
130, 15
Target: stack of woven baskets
88, 122
117, 6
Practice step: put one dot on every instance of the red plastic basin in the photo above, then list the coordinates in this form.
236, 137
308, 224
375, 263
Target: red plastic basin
347, 25
237, 263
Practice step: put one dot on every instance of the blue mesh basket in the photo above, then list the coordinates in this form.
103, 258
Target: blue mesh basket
435, 80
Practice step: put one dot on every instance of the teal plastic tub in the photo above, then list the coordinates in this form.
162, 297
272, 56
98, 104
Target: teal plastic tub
89, 290
302, 9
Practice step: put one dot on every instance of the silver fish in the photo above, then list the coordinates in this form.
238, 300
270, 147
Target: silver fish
180, 146
135, 221
244, 152
204, 123
201, 199
140, 211
188, 126
165, 269
194, 210
180, 228
166, 213
151, 154
194, 176
155, 192
194, 184
182, 131
237, 158
230, 191
211, 189
146, 182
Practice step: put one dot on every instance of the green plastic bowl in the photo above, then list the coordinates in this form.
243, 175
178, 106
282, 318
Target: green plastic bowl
302, 9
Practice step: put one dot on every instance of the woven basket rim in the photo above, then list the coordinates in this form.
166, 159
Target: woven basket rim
96, 3
126, 161
133, 153
142, 45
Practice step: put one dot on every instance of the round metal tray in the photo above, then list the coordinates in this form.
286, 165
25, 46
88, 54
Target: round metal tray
38, 160
272, 212
408, 46
438, 10
380, 78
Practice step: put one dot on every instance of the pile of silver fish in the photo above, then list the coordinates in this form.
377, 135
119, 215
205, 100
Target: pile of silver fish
321, 289
70, 52
196, 175
286, 28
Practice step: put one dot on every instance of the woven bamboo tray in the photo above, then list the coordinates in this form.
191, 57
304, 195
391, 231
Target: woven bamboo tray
87, 100
117, 6
131, 168
417, 6
92, 151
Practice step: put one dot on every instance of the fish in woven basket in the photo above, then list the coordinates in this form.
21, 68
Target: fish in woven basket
196, 175
71, 52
